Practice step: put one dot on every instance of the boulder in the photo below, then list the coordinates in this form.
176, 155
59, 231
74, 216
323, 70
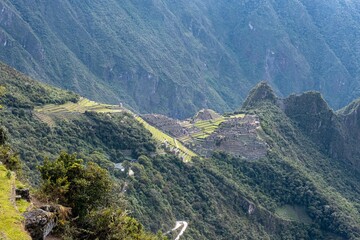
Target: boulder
39, 223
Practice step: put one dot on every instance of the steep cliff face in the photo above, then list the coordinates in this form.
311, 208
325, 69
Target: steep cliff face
350, 117
317, 120
336, 133
176, 57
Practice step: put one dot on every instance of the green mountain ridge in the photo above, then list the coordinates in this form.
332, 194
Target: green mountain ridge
177, 57
296, 189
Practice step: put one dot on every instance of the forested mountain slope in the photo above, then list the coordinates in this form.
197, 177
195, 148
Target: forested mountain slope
176, 57
293, 186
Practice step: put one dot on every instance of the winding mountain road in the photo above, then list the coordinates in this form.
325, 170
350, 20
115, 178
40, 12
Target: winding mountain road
178, 225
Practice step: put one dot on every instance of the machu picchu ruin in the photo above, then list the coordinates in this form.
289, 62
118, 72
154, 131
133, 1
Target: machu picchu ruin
208, 131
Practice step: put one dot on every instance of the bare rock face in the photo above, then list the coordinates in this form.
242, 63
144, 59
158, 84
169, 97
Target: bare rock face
39, 223
251, 209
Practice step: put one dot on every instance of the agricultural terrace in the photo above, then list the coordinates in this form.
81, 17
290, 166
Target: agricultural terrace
185, 153
81, 106
207, 127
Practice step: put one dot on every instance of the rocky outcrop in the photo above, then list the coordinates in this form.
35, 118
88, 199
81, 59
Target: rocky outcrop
39, 223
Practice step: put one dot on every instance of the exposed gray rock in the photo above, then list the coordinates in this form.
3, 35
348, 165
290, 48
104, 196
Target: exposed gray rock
251, 208
39, 223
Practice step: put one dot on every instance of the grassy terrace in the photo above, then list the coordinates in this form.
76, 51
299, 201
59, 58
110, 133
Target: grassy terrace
293, 213
207, 127
11, 227
162, 137
81, 106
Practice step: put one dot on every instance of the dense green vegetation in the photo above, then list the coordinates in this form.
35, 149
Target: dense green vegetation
215, 195
222, 197
17, 90
68, 182
90, 193
102, 138
176, 57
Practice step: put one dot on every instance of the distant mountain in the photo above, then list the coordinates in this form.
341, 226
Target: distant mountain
176, 57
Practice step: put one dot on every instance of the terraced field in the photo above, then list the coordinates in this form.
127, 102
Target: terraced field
81, 106
45, 114
185, 153
207, 127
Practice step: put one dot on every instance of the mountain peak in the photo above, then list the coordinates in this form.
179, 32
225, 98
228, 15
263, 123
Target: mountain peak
307, 103
260, 93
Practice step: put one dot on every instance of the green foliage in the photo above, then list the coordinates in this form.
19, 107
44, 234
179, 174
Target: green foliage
9, 158
334, 210
88, 190
314, 118
68, 182
261, 93
21, 91
3, 136
115, 224
2, 92
95, 136
295, 172
210, 193
8, 174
